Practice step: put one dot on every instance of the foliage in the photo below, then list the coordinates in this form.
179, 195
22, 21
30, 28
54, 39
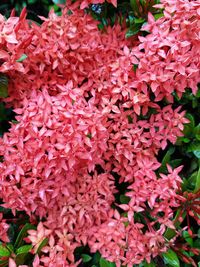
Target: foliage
101, 104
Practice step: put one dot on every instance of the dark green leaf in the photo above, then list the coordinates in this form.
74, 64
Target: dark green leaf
23, 233
3, 85
166, 159
86, 257
96, 258
132, 31
4, 252
175, 163
171, 258
20, 258
31, 2
23, 249
89, 136
130, 119
191, 118
11, 233
135, 66
194, 146
198, 233
124, 199
134, 6
188, 238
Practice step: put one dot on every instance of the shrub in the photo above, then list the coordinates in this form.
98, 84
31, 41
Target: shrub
89, 120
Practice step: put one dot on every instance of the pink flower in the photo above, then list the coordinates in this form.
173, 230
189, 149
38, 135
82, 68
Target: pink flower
79, 104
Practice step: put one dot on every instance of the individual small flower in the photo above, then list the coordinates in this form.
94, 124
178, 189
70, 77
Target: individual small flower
37, 236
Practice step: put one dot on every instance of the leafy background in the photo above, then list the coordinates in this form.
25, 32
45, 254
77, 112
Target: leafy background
185, 152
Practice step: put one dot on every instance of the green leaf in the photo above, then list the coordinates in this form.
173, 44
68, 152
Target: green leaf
198, 233
89, 135
151, 264
166, 159
4, 252
10, 247
59, 2
188, 238
23, 233
185, 139
133, 30
22, 58
86, 257
31, 2
159, 15
130, 119
191, 118
139, 20
194, 146
23, 249
197, 153
171, 258
42, 244
124, 199
105, 263
175, 163
96, 258
135, 66
11, 233
21, 258
134, 6
197, 185
3, 86
170, 233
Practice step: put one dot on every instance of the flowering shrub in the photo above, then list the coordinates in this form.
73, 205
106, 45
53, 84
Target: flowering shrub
87, 122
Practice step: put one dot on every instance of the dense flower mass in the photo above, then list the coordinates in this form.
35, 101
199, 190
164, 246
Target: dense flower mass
86, 122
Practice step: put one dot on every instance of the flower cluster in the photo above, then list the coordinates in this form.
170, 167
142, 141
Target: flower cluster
169, 56
86, 122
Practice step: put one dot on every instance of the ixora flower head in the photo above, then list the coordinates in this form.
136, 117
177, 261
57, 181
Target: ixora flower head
86, 123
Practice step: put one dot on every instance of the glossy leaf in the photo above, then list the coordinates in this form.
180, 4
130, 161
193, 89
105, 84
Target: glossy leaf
23, 249
86, 257
59, 2
23, 233
171, 258
4, 252
188, 238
